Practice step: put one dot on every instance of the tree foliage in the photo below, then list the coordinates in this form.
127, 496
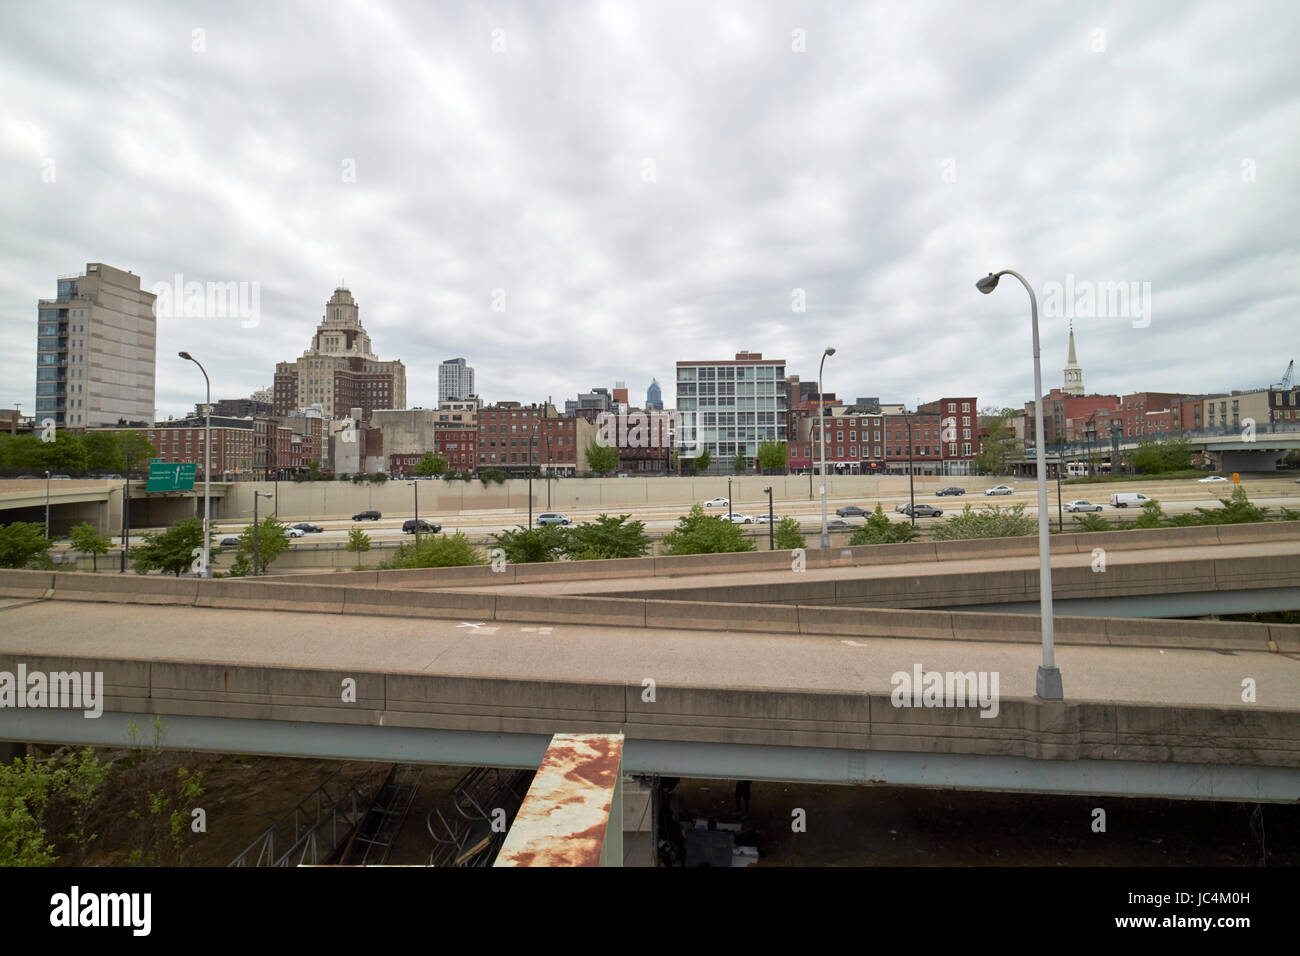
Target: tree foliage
773, 455
999, 445
358, 541
699, 533
170, 551
23, 545
602, 459
436, 551
739, 464
272, 541
86, 538
546, 542
879, 529
990, 522
1156, 456
430, 465
606, 537
787, 535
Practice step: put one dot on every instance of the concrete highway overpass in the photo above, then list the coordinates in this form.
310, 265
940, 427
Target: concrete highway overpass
451, 671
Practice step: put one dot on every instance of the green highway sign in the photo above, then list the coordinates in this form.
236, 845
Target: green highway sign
175, 476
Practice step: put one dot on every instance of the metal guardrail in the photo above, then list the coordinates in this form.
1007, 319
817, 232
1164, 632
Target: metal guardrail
310, 832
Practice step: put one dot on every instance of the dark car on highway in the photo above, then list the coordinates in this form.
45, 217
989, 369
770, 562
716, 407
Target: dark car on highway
850, 511
367, 516
309, 528
922, 511
230, 542
951, 491
408, 526
836, 523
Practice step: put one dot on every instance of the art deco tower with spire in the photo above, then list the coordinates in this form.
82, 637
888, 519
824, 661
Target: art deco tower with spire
1073, 373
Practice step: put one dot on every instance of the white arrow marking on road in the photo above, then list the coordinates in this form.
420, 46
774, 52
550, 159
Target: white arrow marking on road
536, 630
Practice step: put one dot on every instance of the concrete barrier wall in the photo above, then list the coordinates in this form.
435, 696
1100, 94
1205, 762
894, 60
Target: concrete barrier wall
777, 716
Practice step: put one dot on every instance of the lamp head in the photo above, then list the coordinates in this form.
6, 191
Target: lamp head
987, 284
830, 351
186, 355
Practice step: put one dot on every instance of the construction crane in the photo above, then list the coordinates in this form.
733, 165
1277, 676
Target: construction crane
1285, 384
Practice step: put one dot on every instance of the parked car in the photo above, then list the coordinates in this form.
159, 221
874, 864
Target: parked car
63, 477
367, 516
553, 517
295, 532
230, 542
950, 491
1081, 505
902, 509
764, 518
850, 511
309, 528
737, 518
408, 526
1126, 498
717, 503
999, 490
837, 523
921, 510
1211, 478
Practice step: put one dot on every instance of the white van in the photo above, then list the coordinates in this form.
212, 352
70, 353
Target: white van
1127, 498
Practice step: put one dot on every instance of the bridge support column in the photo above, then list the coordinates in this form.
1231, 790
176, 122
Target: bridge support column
10, 751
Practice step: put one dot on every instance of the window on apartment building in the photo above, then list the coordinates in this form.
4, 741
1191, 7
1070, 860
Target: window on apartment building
952, 406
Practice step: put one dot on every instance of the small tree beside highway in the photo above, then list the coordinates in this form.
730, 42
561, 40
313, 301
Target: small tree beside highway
358, 543
23, 545
87, 539
699, 533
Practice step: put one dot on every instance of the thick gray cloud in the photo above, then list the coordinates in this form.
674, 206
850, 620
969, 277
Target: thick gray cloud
648, 182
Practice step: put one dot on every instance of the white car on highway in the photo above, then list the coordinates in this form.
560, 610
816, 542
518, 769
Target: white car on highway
1211, 478
717, 503
735, 518
1082, 505
294, 532
999, 490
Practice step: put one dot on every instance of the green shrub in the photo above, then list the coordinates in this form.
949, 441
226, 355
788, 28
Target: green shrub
606, 537
545, 542
436, 551
787, 536
1090, 521
878, 529
698, 533
990, 522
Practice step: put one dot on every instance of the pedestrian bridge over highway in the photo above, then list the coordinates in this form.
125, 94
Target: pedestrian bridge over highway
445, 667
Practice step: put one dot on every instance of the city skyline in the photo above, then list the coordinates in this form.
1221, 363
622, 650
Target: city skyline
629, 193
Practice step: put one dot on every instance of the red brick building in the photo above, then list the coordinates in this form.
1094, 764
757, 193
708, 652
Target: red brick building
506, 429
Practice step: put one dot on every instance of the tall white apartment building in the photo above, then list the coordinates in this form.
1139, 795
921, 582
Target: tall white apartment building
455, 380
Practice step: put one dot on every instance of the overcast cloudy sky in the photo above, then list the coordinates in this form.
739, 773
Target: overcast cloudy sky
653, 181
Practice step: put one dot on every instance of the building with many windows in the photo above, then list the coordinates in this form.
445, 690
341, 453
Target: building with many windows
339, 371
96, 350
737, 404
455, 380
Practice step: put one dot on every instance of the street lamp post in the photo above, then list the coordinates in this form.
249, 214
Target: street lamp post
257, 551
821, 430
532, 439
730, 509
47, 506
771, 532
911, 482
1048, 680
207, 467
416, 485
